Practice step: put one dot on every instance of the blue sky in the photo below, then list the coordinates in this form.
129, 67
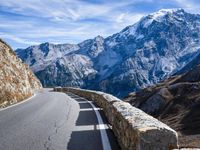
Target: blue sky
29, 22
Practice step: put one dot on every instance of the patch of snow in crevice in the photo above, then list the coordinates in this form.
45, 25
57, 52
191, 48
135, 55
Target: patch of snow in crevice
140, 36
150, 44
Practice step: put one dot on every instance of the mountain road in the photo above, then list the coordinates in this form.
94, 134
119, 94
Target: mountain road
55, 121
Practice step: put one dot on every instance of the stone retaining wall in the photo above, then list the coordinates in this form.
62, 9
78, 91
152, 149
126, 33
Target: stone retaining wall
134, 129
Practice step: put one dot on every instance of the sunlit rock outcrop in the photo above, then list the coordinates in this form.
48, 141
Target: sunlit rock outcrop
17, 82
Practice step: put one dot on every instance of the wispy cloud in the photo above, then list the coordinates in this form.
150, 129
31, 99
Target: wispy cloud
17, 39
24, 23
189, 5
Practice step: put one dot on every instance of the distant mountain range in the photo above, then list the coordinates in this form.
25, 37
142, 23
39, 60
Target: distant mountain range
160, 44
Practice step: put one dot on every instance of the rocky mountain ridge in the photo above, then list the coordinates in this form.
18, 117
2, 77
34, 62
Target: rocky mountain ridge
17, 82
157, 46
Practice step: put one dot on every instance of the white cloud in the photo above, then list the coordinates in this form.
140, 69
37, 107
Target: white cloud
67, 16
72, 9
70, 20
189, 5
17, 39
125, 19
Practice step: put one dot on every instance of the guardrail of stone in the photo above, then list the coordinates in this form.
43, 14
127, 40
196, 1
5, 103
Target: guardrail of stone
134, 129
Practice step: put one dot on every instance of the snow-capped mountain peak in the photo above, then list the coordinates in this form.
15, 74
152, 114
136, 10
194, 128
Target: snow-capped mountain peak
163, 12
162, 16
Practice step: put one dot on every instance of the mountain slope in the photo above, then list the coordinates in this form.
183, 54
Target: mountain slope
192, 64
174, 101
142, 54
17, 81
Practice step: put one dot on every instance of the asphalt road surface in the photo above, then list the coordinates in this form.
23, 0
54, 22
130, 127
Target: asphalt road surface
55, 121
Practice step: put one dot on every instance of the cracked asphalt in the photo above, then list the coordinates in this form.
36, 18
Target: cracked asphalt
51, 121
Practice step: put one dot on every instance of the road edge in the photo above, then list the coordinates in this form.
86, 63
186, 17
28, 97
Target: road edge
18, 103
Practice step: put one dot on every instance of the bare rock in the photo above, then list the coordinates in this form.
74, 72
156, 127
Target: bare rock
17, 82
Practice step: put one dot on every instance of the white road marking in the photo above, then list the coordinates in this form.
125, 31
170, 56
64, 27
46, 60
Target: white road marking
104, 136
83, 102
89, 109
91, 127
18, 103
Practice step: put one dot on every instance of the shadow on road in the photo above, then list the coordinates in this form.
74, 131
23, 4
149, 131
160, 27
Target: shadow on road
86, 135
84, 105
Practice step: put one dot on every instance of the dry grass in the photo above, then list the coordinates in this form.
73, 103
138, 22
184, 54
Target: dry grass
17, 82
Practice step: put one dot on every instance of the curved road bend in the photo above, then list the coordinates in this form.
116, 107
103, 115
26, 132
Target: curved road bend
54, 121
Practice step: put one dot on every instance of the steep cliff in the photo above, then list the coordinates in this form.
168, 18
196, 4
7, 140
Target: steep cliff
17, 82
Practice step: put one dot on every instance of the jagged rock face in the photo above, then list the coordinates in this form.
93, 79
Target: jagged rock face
174, 101
17, 81
154, 48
